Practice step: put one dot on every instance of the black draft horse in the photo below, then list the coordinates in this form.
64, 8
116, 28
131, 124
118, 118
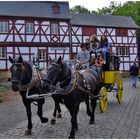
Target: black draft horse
21, 75
59, 72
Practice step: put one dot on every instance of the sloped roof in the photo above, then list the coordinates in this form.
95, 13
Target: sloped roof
43, 9
34, 9
103, 20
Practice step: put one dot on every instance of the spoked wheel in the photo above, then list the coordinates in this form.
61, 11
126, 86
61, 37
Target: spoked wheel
119, 90
103, 100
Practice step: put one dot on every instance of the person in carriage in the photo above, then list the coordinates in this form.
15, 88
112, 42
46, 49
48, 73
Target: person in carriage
104, 47
94, 44
83, 56
92, 61
99, 64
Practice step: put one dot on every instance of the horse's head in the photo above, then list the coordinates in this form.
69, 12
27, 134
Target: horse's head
17, 72
57, 72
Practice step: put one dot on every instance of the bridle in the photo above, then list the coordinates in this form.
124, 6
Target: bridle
30, 84
23, 71
52, 82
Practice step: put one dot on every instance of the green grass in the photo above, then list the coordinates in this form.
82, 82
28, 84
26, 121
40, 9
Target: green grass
2, 89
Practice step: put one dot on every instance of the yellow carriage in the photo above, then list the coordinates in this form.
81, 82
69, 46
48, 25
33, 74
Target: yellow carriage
111, 81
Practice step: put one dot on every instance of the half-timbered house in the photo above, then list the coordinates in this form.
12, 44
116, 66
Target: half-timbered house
49, 29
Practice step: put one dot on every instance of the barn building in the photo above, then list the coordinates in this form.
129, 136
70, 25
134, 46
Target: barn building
49, 29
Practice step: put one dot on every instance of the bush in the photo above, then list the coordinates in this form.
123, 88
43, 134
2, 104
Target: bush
1, 99
2, 89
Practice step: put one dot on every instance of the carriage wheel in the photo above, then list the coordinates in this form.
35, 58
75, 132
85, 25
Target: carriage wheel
103, 100
120, 90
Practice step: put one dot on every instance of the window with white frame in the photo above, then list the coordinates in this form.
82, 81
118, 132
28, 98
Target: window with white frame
54, 28
30, 27
122, 51
4, 27
42, 54
2, 52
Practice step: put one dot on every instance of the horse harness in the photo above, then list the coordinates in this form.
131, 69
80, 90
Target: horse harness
75, 85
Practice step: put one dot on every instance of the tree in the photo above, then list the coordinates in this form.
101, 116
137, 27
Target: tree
79, 9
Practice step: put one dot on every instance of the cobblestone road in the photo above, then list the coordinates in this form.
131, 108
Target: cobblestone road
119, 121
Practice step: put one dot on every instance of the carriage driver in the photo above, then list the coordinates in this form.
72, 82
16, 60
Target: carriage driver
84, 56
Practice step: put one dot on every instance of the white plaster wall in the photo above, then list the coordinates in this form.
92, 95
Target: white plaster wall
17, 38
22, 30
36, 39
24, 49
10, 21
10, 38
9, 64
74, 49
20, 22
130, 38
135, 50
34, 50
114, 49
124, 39
79, 38
126, 58
134, 40
18, 27
9, 49
66, 39
25, 57
119, 40
36, 22
74, 39
45, 23
43, 39
36, 27
114, 39
2, 37
42, 48
99, 32
63, 31
44, 28
2, 65
121, 66
126, 66
130, 34
132, 57
66, 57
110, 40
63, 23
52, 56
79, 32
11, 55
84, 37
29, 38
113, 32
131, 50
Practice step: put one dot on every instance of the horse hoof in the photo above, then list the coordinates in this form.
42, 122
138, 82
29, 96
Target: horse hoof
59, 115
28, 132
44, 120
71, 137
91, 122
53, 121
